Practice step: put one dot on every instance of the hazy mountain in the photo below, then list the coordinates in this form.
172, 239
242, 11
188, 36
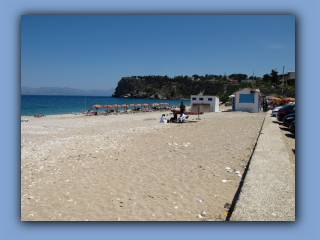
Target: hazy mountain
65, 91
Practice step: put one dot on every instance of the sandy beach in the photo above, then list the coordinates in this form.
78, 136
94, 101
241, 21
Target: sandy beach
130, 167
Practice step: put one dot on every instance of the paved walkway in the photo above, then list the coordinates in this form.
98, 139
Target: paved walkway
268, 190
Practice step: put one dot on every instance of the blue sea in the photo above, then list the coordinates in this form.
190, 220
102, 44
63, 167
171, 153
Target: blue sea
53, 105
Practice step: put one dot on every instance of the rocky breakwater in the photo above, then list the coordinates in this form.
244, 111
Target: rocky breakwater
135, 88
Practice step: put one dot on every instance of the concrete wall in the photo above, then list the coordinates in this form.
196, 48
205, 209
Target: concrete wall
214, 104
203, 107
254, 107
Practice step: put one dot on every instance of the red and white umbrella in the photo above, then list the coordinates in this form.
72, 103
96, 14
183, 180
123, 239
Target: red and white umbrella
124, 105
96, 106
116, 105
107, 106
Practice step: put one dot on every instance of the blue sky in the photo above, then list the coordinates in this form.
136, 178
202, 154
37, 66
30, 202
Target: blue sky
95, 51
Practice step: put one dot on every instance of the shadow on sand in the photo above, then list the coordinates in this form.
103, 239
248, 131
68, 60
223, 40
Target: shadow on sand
229, 110
190, 121
290, 135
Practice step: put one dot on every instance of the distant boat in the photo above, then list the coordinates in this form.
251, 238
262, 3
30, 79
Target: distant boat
187, 113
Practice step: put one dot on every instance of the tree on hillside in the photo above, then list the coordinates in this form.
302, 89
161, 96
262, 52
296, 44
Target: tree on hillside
225, 77
238, 76
224, 97
216, 77
266, 78
274, 77
165, 78
242, 77
251, 77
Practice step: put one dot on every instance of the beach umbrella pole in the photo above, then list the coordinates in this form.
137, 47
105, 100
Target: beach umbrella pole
198, 113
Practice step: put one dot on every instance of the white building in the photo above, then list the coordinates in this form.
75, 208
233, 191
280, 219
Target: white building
247, 99
205, 102
291, 74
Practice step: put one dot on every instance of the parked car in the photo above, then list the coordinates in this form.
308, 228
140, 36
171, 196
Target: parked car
288, 119
285, 111
292, 127
276, 110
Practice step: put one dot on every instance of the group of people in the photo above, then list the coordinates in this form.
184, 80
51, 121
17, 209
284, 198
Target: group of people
265, 106
175, 117
38, 116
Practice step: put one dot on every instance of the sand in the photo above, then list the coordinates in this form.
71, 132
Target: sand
130, 167
290, 143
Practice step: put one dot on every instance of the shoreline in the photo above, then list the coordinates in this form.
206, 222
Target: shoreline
102, 114
79, 114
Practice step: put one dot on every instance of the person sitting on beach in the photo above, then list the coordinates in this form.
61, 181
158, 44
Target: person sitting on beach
182, 118
174, 118
163, 119
43, 115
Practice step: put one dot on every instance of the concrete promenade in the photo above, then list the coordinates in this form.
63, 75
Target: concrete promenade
268, 191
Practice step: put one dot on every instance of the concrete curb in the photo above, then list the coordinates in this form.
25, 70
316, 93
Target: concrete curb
268, 190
